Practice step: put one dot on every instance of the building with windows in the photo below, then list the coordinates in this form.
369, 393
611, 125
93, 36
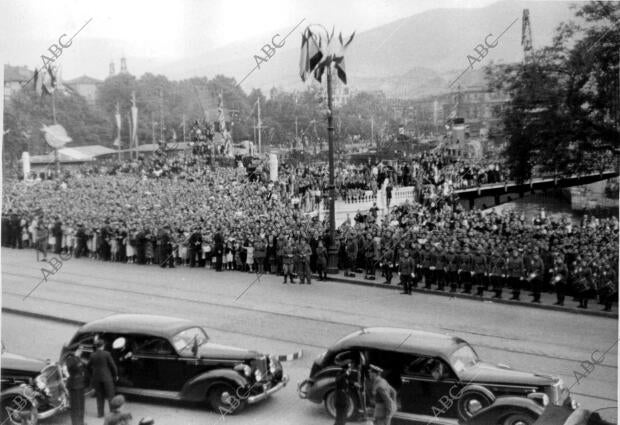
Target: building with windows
86, 87
478, 106
14, 78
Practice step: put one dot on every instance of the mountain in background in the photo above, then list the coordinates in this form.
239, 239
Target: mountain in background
412, 57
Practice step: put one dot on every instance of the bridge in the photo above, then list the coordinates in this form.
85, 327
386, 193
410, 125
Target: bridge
536, 183
401, 195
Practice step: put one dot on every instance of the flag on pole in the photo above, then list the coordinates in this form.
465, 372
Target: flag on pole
117, 141
526, 32
311, 54
316, 55
49, 79
134, 126
220, 113
38, 82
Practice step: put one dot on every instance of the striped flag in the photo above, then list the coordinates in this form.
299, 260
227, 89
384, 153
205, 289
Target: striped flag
316, 55
117, 116
311, 54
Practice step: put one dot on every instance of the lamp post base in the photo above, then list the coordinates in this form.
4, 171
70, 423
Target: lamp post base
332, 260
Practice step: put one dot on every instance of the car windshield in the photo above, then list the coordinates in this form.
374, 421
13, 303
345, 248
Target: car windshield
185, 340
463, 358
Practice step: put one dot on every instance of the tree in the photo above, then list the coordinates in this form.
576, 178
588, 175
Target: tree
564, 99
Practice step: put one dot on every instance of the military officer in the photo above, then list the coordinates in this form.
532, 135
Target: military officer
480, 270
559, 275
452, 268
514, 270
305, 254
465, 270
497, 274
535, 275
287, 260
406, 269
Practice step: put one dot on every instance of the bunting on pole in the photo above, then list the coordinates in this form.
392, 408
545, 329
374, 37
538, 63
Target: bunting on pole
220, 113
134, 118
117, 116
526, 32
316, 55
38, 82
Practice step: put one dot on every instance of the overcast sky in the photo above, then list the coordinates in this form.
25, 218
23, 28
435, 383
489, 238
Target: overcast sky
169, 30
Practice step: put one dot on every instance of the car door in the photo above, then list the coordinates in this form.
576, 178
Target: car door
429, 387
155, 365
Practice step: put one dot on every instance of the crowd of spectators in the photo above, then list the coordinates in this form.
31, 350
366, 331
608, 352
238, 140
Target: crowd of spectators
184, 211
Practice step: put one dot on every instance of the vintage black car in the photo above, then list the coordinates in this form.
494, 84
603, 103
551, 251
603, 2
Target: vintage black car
173, 358
439, 378
18, 369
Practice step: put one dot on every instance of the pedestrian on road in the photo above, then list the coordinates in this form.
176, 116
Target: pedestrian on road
384, 395
103, 374
76, 384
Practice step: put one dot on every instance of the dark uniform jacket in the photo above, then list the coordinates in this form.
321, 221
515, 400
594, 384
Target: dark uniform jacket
406, 266
102, 367
77, 373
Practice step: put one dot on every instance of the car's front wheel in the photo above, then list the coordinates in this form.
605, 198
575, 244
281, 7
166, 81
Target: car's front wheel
330, 405
472, 401
520, 418
223, 399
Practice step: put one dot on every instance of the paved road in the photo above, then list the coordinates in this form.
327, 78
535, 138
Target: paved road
263, 314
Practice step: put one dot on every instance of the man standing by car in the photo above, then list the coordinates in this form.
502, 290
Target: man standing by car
384, 395
103, 374
76, 384
343, 384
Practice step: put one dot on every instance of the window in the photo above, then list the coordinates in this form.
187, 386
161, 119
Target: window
185, 340
153, 346
463, 358
429, 367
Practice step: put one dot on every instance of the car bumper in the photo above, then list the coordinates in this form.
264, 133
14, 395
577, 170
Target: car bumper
259, 397
303, 388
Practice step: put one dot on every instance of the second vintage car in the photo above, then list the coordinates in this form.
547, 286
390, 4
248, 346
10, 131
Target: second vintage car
173, 358
439, 378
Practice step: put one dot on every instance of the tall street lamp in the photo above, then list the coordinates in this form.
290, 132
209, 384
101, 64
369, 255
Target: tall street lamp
321, 53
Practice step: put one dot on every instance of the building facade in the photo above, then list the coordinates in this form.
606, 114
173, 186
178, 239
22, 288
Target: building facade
14, 78
86, 87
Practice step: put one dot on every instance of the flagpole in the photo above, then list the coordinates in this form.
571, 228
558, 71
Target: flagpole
259, 128
56, 156
332, 266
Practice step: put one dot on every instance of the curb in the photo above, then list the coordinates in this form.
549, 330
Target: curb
573, 310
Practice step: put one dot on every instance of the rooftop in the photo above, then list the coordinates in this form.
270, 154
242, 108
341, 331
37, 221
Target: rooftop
162, 326
401, 340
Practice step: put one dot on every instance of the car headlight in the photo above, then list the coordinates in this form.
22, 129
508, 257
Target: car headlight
258, 375
272, 365
40, 382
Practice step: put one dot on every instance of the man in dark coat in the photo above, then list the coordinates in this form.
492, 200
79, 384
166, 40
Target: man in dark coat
76, 384
57, 233
341, 398
218, 246
166, 247
406, 271
103, 374
195, 247
384, 395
